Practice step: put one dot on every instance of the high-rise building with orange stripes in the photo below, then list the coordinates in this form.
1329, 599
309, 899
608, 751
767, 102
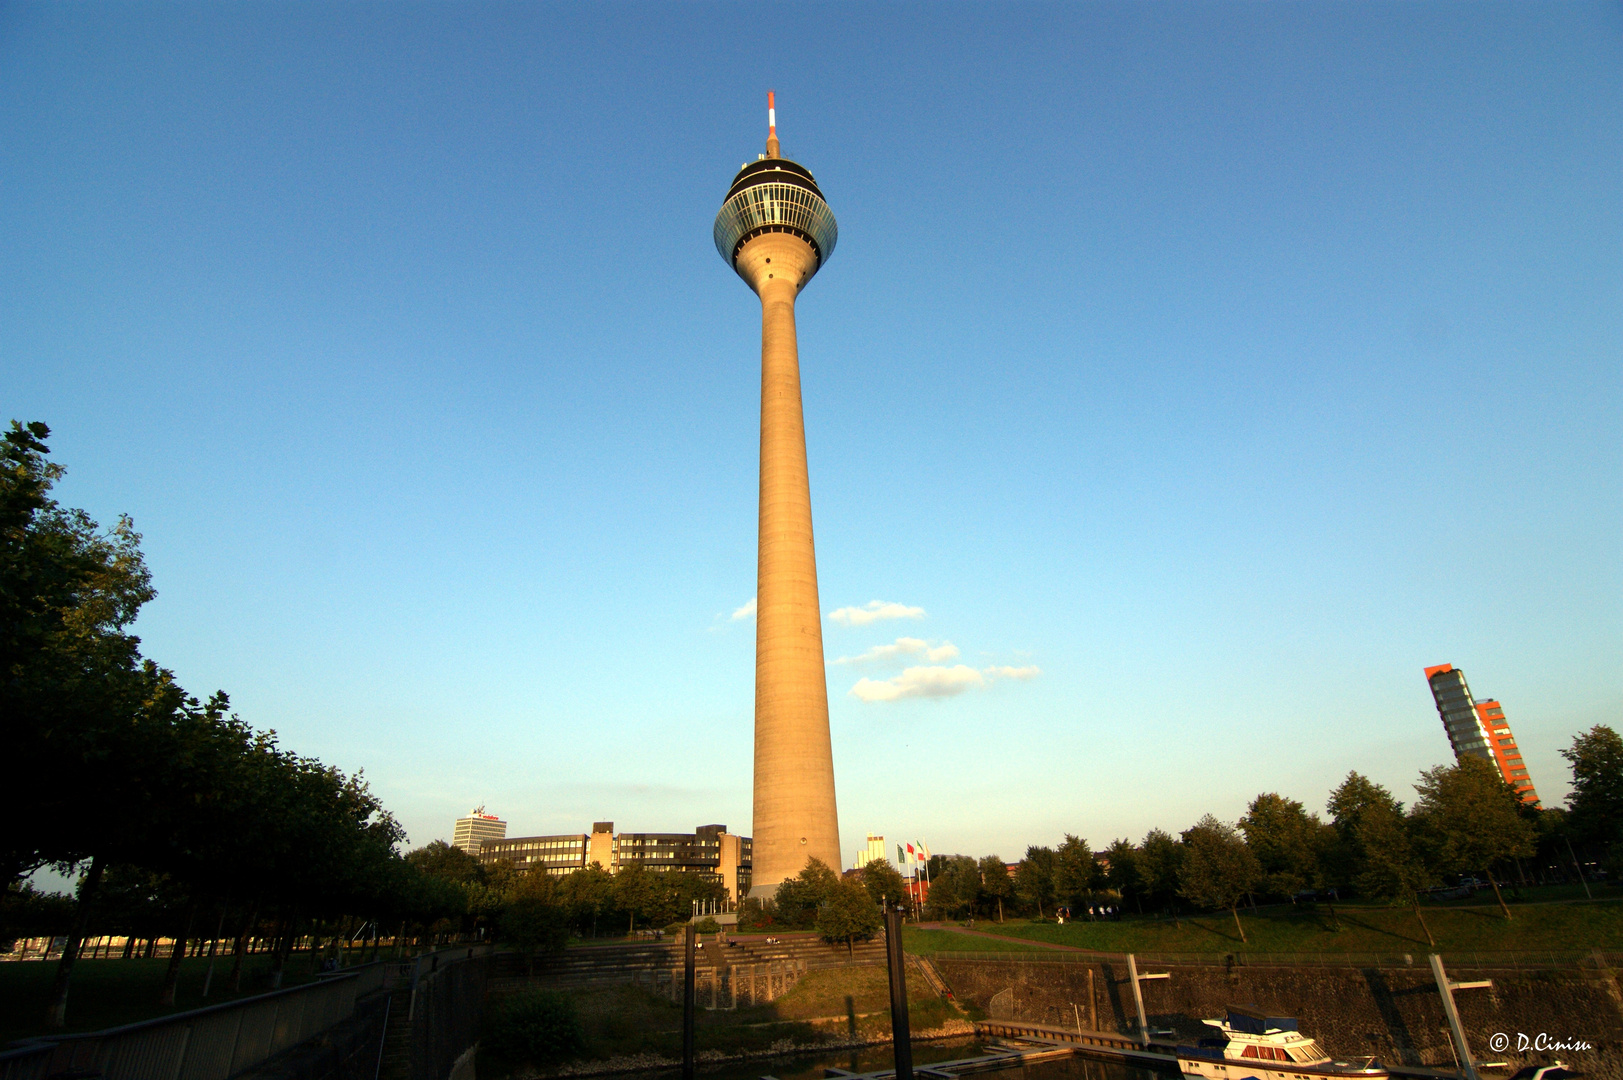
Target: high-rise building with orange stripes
1479, 728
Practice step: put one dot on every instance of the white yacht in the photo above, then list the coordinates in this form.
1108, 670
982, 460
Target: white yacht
1254, 1045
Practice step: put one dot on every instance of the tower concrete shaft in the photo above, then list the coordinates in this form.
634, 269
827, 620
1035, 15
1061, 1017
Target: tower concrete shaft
776, 231
795, 815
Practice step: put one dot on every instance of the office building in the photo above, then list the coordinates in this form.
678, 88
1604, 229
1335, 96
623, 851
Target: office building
1505, 754
563, 854
1478, 728
775, 231
475, 829
709, 850
875, 849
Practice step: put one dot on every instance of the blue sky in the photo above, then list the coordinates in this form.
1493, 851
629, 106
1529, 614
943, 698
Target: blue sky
1225, 364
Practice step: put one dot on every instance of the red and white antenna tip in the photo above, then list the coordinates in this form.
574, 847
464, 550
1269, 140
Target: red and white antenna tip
771, 125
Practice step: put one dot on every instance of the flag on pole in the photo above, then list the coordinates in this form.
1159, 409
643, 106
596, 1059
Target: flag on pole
899, 856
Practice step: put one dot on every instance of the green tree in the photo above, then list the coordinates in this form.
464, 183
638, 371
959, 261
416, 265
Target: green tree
441, 860
1345, 858
27, 912
534, 922
996, 884
797, 899
589, 895
1075, 871
1034, 878
1287, 841
681, 889
1469, 819
72, 684
1595, 815
848, 914
1218, 869
1122, 875
956, 887
883, 881
636, 893
1160, 857
1391, 864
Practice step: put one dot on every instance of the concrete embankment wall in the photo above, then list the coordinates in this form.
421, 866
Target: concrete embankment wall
1394, 1013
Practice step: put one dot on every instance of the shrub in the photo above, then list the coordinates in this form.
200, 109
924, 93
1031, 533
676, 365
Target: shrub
539, 1027
756, 914
707, 925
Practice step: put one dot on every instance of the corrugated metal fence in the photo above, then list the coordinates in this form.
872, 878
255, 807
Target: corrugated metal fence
447, 1005
215, 1043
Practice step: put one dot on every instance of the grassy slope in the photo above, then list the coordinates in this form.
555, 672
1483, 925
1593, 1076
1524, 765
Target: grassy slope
1285, 929
106, 993
631, 1020
930, 942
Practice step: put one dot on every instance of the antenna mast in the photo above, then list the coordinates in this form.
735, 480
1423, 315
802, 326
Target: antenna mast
771, 125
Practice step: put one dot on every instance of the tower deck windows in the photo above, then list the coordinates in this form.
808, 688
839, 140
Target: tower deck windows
772, 206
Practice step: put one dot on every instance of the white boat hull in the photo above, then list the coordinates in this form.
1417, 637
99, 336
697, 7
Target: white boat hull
1238, 1069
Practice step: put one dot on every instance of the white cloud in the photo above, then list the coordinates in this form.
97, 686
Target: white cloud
904, 646
745, 612
934, 682
873, 612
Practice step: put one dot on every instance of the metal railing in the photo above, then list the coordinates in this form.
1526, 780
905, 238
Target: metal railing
1520, 960
415, 973
447, 1005
369, 978
213, 1043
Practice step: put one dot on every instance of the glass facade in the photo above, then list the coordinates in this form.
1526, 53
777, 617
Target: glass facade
1479, 728
1458, 712
698, 852
552, 854
775, 206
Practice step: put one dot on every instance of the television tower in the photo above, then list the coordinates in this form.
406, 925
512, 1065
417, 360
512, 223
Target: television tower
776, 231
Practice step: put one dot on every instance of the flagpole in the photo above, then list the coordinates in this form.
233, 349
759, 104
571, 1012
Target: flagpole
901, 853
929, 883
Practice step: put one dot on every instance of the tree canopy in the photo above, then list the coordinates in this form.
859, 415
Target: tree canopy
171, 803
1218, 868
848, 914
1288, 842
1596, 803
1470, 819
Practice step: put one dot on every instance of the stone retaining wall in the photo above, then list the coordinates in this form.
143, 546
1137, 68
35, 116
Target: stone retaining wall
1393, 1013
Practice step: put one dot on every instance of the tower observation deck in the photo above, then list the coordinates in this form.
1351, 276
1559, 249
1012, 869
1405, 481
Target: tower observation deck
775, 230
775, 195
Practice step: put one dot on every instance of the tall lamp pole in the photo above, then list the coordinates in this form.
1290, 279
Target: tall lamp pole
688, 995
900, 1036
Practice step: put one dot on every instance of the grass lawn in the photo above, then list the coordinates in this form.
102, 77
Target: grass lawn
1283, 928
825, 991
930, 942
107, 993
